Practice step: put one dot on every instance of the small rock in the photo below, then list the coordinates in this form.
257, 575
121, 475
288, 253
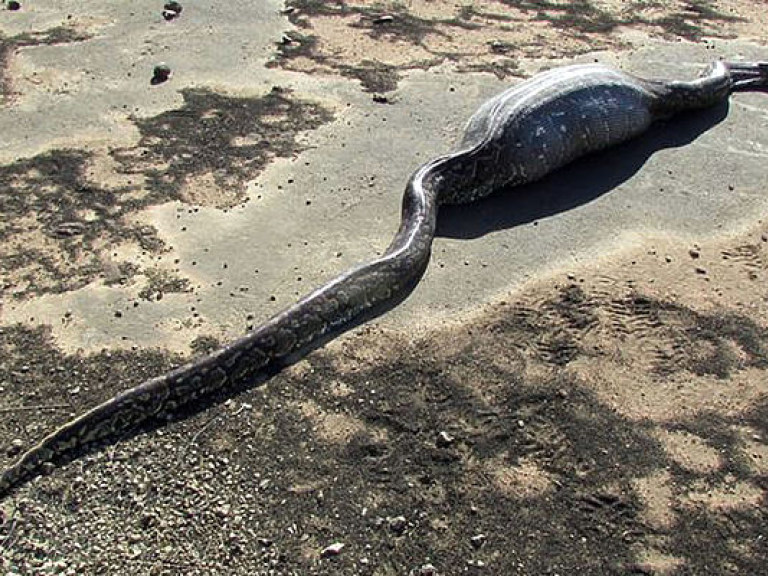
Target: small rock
694, 253
398, 524
332, 550
668, 259
69, 229
161, 73
13, 5
764, 237
478, 540
444, 439
427, 570
700, 270
380, 99
384, 19
171, 10
16, 445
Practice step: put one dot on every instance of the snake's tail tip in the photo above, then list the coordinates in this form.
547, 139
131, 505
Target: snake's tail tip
748, 75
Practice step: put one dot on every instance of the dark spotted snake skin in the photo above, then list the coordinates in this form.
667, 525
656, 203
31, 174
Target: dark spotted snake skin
514, 138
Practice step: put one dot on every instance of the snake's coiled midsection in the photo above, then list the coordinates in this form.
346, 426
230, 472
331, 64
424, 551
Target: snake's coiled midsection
516, 137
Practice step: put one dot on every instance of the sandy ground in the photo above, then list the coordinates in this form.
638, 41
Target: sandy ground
577, 386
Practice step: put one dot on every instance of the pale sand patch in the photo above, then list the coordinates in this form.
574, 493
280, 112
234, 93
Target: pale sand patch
335, 427
754, 449
727, 495
656, 562
522, 480
656, 494
205, 190
638, 396
689, 451
104, 172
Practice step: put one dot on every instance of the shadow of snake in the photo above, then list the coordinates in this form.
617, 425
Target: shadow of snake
515, 138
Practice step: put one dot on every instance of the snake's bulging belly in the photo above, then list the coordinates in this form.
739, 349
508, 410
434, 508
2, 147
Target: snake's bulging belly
535, 128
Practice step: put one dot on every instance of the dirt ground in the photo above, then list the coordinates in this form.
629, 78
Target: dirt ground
611, 418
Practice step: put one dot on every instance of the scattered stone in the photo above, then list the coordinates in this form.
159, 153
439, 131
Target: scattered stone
384, 19
16, 445
172, 10
161, 73
700, 270
13, 5
668, 259
444, 439
478, 540
398, 524
764, 237
694, 253
69, 229
380, 99
332, 550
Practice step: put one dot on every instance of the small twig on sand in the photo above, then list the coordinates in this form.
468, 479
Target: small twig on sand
38, 407
204, 427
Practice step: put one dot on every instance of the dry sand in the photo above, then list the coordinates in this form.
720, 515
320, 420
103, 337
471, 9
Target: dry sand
606, 417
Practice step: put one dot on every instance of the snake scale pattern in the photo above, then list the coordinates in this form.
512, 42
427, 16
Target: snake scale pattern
516, 137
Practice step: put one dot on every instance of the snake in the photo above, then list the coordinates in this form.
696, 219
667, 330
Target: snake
514, 138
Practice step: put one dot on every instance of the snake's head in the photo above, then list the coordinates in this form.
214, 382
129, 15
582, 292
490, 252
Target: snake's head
748, 75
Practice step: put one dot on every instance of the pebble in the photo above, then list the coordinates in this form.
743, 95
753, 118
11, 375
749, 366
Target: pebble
13, 5
161, 73
332, 550
694, 253
478, 540
16, 445
171, 10
397, 524
384, 19
444, 439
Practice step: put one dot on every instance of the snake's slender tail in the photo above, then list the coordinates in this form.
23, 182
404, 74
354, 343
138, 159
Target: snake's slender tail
351, 298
